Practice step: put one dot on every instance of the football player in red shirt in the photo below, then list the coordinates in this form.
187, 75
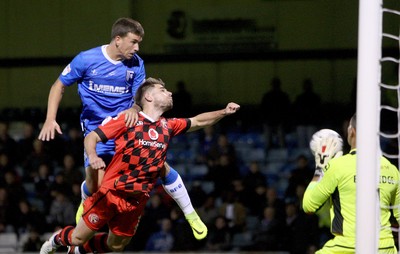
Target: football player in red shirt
140, 154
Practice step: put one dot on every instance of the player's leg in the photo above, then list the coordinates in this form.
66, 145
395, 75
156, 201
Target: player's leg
87, 188
97, 213
174, 186
68, 236
93, 178
126, 220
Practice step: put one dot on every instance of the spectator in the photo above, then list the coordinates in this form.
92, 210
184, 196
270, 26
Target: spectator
38, 156
33, 242
222, 173
271, 233
255, 183
15, 189
272, 199
6, 212
219, 235
184, 240
60, 186
301, 175
75, 197
155, 211
207, 139
222, 147
182, 101
254, 177
162, 240
25, 144
43, 183
62, 212
307, 113
72, 173
73, 144
275, 107
208, 211
5, 165
24, 222
252, 198
7, 143
234, 211
301, 229
198, 195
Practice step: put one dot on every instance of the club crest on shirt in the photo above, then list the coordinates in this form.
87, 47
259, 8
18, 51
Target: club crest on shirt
129, 76
66, 70
153, 134
93, 218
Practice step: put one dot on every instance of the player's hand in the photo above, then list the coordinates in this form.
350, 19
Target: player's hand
48, 130
231, 108
96, 162
131, 116
325, 145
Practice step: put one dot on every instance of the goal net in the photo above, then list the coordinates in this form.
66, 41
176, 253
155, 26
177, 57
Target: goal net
378, 112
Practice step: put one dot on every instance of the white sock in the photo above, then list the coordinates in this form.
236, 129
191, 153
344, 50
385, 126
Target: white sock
178, 192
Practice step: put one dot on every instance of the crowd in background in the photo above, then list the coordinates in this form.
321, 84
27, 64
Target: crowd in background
244, 208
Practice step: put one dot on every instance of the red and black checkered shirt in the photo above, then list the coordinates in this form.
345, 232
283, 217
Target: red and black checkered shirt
140, 151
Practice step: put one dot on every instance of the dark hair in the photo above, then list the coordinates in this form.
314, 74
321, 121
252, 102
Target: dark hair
123, 26
148, 83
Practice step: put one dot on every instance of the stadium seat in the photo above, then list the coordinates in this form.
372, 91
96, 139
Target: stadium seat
22, 239
242, 240
278, 154
8, 242
252, 223
207, 186
197, 172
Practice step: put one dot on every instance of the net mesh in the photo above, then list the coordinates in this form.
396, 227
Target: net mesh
390, 89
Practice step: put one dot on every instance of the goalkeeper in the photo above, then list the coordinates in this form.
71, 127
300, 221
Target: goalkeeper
336, 180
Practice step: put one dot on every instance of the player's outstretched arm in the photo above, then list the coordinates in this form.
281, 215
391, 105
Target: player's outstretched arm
210, 118
50, 126
90, 148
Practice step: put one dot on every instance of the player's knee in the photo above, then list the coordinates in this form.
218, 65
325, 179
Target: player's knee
117, 244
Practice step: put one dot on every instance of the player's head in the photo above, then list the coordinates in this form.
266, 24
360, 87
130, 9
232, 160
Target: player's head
126, 34
351, 131
123, 26
153, 91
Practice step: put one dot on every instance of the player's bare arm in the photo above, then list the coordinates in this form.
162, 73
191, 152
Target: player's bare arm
50, 126
90, 148
209, 118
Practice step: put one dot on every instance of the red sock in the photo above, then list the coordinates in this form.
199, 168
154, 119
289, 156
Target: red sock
97, 243
64, 237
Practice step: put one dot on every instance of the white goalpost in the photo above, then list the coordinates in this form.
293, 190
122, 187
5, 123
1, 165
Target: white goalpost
368, 105
371, 84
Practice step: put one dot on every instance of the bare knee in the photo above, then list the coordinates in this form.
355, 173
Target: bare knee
116, 243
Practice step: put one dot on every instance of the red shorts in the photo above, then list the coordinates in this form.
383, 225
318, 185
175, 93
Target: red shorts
120, 210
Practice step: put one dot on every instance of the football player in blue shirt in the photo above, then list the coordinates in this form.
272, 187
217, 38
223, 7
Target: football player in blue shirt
108, 77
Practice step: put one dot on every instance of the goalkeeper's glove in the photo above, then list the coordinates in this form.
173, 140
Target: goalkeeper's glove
325, 145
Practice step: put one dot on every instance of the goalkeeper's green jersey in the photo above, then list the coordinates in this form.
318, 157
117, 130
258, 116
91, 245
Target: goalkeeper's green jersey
339, 185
